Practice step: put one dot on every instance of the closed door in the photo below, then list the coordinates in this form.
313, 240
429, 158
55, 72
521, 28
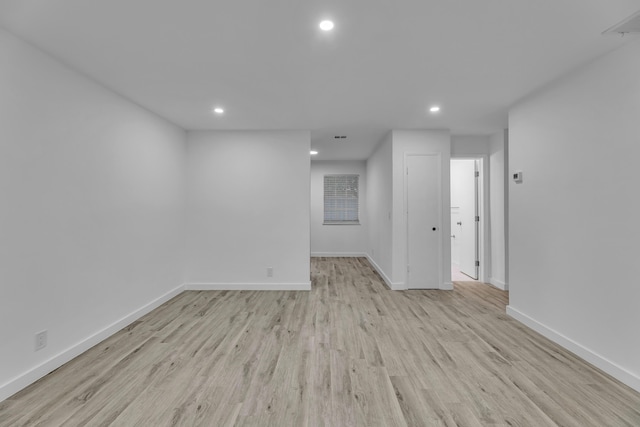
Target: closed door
423, 221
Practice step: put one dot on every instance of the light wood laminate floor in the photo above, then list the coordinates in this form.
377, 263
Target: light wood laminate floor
348, 353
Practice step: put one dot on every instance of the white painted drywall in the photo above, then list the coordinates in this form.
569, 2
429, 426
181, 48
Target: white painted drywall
337, 240
380, 207
248, 208
497, 209
419, 142
573, 222
469, 145
91, 218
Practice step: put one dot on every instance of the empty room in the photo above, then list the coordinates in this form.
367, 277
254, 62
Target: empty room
319, 213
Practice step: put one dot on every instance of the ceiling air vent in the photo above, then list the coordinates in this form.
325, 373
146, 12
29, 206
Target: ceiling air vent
630, 25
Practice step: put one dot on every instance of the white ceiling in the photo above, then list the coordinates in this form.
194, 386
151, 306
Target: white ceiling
270, 67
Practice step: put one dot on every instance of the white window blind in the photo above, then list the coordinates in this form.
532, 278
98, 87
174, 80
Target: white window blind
341, 199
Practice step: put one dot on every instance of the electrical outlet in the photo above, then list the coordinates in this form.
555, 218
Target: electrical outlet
41, 340
269, 271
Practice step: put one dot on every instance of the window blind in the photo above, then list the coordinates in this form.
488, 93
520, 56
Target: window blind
341, 204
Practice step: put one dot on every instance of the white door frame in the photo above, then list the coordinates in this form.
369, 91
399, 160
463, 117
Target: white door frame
484, 249
439, 208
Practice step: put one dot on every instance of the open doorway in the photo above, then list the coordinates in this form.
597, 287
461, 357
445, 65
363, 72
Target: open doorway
467, 218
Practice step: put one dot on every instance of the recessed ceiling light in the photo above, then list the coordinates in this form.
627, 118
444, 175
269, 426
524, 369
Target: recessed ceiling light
326, 25
218, 110
313, 152
434, 109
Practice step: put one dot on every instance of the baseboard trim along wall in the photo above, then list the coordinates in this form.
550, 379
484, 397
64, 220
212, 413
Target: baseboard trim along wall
579, 350
391, 285
446, 286
498, 284
338, 254
21, 381
248, 286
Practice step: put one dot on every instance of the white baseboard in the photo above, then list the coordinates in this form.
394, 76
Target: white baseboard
248, 286
338, 254
611, 368
446, 286
393, 286
498, 284
23, 380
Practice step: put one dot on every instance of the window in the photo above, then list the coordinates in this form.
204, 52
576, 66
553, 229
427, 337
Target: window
341, 199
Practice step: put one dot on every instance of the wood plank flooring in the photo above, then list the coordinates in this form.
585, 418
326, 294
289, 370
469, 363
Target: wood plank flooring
348, 353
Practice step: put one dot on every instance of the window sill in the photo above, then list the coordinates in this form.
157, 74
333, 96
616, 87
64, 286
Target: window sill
342, 223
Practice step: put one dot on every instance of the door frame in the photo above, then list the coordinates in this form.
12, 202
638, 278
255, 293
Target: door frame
441, 257
484, 249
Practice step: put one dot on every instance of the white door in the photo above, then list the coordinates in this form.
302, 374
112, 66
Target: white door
455, 247
423, 221
464, 195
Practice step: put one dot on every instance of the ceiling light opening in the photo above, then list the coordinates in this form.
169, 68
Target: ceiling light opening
434, 109
326, 25
218, 110
313, 152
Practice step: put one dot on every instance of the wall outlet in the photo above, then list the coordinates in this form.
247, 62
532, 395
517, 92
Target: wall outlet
41, 340
269, 271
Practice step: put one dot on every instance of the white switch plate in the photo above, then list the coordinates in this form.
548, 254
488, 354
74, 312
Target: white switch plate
41, 340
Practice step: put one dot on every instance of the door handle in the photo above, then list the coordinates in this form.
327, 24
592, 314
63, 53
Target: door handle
459, 223
453, 235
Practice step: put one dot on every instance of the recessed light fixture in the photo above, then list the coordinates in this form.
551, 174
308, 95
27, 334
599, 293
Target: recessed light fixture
313, 152
326, 25
434, 109
218, 110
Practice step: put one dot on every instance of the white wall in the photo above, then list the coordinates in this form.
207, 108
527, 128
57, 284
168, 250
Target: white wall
419, 142
498, 185
380, 207
573, 221
248, 209
337, 240
469, 145
91, 224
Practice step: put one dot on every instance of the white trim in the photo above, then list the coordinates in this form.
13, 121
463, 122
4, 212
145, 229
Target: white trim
498, 284
579, 350
391, 285
248, 286
446, 286
32, 375
338, 254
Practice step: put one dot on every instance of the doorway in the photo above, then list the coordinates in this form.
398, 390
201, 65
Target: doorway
467, 219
